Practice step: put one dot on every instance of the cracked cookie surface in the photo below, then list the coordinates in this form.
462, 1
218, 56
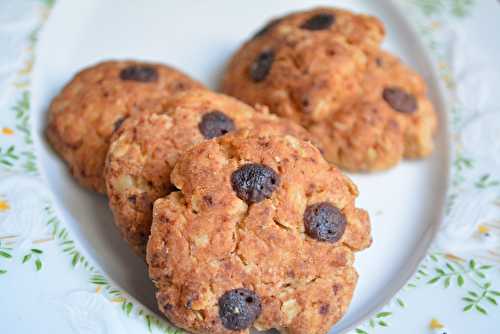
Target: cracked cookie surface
145, 149
324, 69
84, 115
298, 76
236, 246
392, 120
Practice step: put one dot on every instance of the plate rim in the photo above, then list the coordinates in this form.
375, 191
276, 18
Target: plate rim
433, 228
441, 95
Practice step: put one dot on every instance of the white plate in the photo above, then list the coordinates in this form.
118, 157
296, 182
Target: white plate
198, 37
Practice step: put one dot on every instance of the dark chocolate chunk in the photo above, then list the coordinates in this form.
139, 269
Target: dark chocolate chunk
118, 123
262, 66
319, 22
254, 182
239, 308
215, 124
324, 222
141, 73
400, 100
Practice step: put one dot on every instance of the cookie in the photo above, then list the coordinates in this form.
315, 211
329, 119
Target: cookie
392, 120
261, 233
84, 115
145, 148
324, 69
303, 76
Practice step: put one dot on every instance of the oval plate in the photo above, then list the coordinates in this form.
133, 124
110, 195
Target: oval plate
198, 37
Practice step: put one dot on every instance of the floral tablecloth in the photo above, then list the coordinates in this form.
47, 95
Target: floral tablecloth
456, 288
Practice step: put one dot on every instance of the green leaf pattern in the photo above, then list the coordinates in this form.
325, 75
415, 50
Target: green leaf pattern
437, 269
475, 275
457, 8
34, 254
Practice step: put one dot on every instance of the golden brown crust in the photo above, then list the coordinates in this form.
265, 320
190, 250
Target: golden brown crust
147, 146
361, 137
332, 82
309, 77
205, 240
84, 114
355, 29
368, 134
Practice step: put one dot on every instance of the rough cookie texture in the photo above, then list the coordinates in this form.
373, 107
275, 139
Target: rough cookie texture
324, 69
207, 240
297, 76
145, 148
356, 29
393, 119
84, 115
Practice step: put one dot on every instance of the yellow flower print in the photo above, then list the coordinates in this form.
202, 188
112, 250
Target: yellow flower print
483, 229
437, 327
4, 205
7, 131
435, 324
486, 235
435, 25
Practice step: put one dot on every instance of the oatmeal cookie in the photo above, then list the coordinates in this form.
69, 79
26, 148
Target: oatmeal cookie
261, 233
324, 69
84, 115
144, 150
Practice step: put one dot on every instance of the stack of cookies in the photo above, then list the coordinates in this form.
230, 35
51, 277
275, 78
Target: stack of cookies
240, 212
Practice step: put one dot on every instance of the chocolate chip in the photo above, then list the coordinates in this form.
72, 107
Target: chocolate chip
324, 222
379, 61
267, 28
262, 66
215, 124
400, 100
118, 123
254, 182
132, 199
239, 308
141, 73
323, 309
319, 22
